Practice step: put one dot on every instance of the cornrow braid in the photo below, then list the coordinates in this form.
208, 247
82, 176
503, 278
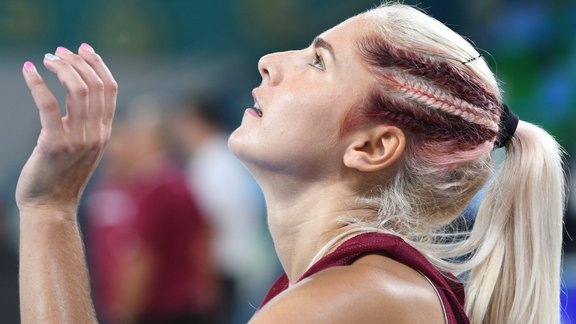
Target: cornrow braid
465, 109
383, 54
426, 95
421, 120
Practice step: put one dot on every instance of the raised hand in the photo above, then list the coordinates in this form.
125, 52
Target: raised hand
70, 147
54, 285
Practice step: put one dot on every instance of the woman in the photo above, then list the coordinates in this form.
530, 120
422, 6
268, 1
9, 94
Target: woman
368, 144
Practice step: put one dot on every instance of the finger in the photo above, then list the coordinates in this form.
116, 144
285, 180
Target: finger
110, 85
77, 94
48, 107
95, 89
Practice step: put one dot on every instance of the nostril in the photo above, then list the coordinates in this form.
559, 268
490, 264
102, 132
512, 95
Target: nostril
269, 68
265, 73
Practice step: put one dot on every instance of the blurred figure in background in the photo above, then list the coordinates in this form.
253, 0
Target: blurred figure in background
149, 244
8, 267
232, 201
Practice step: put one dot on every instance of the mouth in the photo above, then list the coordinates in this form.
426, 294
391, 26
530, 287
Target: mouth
257, 109
256, 106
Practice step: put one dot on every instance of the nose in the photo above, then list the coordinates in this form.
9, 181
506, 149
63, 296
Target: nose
270, 68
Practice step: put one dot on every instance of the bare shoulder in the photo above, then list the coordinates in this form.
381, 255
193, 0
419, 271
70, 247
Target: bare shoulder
375, 289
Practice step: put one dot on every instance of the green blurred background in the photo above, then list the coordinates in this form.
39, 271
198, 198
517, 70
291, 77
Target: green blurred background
172, 46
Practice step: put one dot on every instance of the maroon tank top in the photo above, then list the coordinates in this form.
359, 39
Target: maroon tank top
450, 290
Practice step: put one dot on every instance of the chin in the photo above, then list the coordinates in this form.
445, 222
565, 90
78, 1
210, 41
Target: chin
233, 143
238, 145
246, 151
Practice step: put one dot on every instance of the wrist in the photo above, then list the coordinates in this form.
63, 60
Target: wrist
48, 213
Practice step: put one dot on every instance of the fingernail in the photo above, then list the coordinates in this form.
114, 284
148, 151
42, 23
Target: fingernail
29, 67
63, 50
51, 57
87, 48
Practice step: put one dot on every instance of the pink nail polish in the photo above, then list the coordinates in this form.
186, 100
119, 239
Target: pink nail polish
62, 49
87, 48
29, 67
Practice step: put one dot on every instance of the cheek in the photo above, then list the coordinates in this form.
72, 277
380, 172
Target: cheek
297, 125
306, 119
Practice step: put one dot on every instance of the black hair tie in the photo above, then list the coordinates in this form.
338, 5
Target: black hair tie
507, 127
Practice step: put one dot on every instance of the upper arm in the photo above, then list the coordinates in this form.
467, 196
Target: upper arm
353, 295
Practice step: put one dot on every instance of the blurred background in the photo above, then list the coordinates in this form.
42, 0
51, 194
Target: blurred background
185, 70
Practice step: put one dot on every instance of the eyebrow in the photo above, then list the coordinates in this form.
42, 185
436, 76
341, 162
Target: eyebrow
319, 42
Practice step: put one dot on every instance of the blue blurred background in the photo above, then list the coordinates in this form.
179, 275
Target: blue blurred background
170, 47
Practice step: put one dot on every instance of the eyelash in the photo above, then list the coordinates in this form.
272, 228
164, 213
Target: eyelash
317, 63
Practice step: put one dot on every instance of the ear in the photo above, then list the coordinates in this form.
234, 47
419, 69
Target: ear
375, 149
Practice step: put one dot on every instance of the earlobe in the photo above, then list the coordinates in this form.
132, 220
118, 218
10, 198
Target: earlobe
375, 149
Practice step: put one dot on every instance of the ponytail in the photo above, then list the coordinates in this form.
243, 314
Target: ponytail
518, 234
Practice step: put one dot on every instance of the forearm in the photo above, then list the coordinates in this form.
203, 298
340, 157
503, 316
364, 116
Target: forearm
54, 285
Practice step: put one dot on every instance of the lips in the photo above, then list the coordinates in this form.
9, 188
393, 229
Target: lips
256, 107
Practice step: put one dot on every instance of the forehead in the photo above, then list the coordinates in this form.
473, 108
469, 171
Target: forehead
350, 30
349, 66
344, 39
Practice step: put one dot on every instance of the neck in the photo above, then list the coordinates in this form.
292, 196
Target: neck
304, 220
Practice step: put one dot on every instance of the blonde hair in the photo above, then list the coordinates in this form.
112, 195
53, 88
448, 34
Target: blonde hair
434, 85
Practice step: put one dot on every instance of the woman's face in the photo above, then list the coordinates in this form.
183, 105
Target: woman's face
303, 97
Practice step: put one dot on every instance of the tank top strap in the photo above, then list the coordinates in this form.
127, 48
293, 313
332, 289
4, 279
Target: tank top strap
451, 291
